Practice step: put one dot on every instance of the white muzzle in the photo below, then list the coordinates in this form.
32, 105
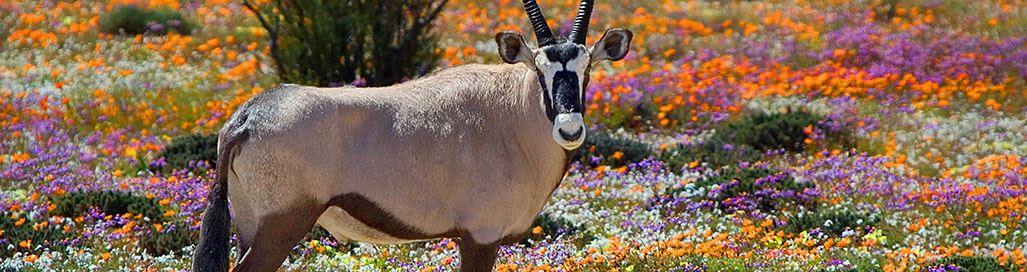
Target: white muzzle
569, 130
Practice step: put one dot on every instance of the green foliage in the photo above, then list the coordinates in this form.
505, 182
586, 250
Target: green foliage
737, 189
318, 233
840, 221
604, 145
851, 262
133, 20
885, 10
193, 147
746, 139
714, 151
171, 239
109, 202
971, 264
639, 118
551, 227
772, 131
18, 230
323, 43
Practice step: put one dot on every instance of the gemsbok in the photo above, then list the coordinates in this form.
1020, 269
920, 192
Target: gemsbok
471, 152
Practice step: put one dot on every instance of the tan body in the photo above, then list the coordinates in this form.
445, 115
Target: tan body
465, 152
471, 152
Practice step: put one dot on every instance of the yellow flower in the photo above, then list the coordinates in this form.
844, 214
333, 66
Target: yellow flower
131, 152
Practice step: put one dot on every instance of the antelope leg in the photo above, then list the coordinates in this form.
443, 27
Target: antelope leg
476, 257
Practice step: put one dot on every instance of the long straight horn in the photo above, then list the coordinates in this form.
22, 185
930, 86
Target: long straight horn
580, 30
538, 22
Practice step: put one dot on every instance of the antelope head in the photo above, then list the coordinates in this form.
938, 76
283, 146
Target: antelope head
563, 66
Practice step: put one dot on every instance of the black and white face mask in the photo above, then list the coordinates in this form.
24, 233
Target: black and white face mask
563, 66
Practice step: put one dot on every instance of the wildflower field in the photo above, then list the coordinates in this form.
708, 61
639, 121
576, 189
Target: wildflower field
865, 135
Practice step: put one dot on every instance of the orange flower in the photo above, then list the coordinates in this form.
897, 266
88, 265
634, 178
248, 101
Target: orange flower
617, 155
178, 60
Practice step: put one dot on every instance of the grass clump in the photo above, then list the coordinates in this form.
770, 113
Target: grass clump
548, 225
190, 148
109, 202
832, 222
747, 139
969, 264
714, 151
168, 238
771, 131
603, 148
162, 236
19, 233
132, 20
755, 189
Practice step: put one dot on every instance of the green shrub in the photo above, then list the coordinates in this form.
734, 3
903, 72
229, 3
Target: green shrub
885, 10
971, 264
193, 147
324, 43
38, 239
318, 233
109, 202
133, 20
772, 131
551, 227
640, 118
751, 188
714, 151
746, 139
171, 239
604, 145
840, 221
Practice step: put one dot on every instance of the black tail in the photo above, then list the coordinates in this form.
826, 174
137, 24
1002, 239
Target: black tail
211, 253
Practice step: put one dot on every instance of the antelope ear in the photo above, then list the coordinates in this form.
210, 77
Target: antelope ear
613, 46
512, 48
